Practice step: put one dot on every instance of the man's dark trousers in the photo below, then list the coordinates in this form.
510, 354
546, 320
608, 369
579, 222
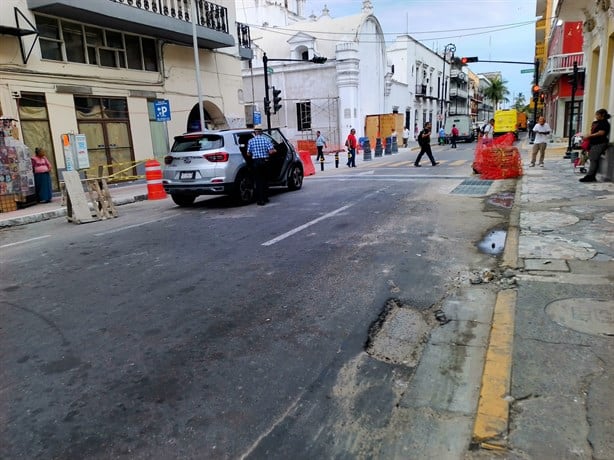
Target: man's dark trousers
260, 180
320, 152
425, 148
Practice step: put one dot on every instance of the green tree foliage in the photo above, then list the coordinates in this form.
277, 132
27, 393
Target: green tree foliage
497, 91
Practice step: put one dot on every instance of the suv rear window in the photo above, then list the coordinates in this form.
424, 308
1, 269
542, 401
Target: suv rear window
194, 143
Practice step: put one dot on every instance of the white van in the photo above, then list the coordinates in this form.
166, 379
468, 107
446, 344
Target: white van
464, 125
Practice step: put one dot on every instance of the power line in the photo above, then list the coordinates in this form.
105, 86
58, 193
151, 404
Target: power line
335, 35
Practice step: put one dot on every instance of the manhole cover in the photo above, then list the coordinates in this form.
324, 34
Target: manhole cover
472, 187
591, 316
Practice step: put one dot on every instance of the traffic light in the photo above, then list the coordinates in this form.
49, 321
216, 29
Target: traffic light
318, 60
466, 60
542, 97
535, 89
276, 99
267, 106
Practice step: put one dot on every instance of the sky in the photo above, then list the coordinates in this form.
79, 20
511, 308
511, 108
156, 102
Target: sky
493, 30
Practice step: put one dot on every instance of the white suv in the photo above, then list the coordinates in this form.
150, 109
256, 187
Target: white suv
216, 163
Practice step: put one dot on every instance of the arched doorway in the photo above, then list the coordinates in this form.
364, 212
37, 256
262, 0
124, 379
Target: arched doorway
214, 118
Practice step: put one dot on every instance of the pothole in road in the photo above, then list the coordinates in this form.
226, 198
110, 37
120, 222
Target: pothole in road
493, 242
399, 334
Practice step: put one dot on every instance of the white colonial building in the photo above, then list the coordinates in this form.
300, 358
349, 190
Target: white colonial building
332, 97
417, 82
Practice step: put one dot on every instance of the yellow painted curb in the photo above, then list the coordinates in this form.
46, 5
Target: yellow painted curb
493, 408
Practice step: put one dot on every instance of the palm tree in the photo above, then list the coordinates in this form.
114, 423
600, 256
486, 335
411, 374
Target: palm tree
520, 103
497, 91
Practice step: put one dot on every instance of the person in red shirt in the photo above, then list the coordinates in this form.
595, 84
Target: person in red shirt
351, 145
454, 134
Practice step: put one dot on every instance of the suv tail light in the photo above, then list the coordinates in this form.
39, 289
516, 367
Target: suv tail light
168, 159
217, 157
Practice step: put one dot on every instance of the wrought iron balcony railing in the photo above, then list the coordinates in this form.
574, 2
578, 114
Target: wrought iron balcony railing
208, 14
561, 64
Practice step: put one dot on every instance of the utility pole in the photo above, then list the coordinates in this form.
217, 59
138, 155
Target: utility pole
267, 99
199, 89
450, 47
535, 98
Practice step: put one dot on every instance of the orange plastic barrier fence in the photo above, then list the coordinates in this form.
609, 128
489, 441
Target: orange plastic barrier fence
497, 159
308, 167
153, 175
308, 146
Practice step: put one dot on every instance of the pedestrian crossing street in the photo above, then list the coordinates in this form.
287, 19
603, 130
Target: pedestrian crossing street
410, 163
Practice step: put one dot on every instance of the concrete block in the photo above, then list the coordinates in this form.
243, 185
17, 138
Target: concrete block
548, 265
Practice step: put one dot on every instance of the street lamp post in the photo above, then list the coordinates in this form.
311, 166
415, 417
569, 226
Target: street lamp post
267, 99
450, 47
574, 87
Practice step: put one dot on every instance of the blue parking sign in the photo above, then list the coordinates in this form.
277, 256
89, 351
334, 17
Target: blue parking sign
162, 110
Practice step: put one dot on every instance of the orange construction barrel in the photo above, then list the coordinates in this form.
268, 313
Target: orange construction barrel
153, 175
308, 167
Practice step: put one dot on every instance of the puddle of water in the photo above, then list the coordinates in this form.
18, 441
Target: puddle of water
493, 243
503, 200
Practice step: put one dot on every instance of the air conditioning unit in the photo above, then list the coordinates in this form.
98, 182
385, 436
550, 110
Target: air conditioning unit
16, 94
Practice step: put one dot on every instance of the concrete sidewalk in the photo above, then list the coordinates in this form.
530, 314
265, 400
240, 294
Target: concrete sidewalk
557, 400
121, 194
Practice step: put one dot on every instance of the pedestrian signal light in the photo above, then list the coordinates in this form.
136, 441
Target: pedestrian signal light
466, 60
276, 99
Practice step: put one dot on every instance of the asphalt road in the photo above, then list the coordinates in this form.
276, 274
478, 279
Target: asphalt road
226, 332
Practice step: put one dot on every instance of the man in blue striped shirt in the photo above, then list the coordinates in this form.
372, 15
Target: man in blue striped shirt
259, 148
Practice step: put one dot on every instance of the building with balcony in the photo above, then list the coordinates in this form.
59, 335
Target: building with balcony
459, 90
417, 83
595, 86
98, 67
556, 81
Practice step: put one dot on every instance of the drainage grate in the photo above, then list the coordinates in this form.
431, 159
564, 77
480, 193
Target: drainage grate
472, 187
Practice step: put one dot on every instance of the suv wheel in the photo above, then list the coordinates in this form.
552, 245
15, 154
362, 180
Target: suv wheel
244, 188
295, 178
182, 199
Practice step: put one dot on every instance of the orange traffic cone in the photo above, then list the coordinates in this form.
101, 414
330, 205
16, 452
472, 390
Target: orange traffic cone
153, 175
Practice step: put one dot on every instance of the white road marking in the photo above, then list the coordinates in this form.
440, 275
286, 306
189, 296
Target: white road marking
25, 241
315, 221
307, 225
128, 227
